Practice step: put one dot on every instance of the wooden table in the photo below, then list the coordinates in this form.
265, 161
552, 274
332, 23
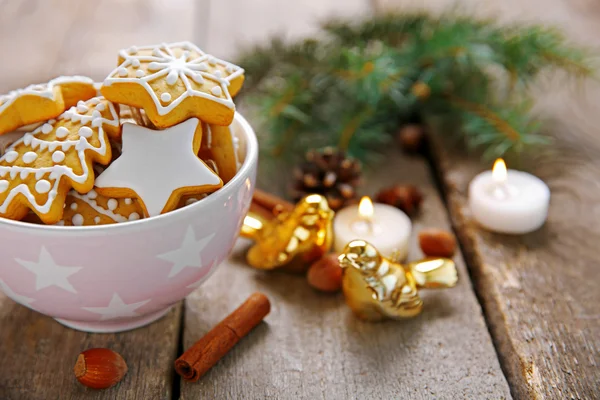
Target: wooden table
524, 321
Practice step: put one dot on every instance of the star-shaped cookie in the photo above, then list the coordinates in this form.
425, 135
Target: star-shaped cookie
43, 101
158, 167
174, 82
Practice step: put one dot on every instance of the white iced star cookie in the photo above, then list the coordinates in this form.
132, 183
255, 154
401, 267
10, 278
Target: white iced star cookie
174, 82
43, 101
158, 167
38, 170
93, 208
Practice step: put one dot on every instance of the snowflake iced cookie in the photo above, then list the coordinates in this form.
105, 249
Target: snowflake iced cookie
174, 82
218, 145
95, 209
158, 167
38, 170
40, 102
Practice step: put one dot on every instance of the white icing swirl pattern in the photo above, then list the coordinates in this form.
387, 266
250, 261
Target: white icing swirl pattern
161, 62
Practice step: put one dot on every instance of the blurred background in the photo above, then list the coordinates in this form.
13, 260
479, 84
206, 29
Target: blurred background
40, 39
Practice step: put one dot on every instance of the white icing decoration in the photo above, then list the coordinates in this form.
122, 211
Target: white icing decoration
166, 97
97, 220
11, 156
29, 157
3, 186
90, 200
57, 172
58, 156
198, 78
191, 200
135, 63
163, 63
128, 201
172, 77
82, 108
46, 128
217, 91
100, 107
134, 216
92, 194
112, 204
133, 49
42, 90
86, 132
218, 74
74, 206
43, 186
123, 72
77, 220
139, 73
177, 165
62, 132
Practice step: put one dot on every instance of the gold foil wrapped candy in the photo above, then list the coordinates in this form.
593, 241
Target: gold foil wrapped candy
378, 288
296, 237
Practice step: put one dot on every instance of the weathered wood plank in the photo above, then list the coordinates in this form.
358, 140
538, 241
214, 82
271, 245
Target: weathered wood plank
38, 355
49, 38
312, 347
539, 290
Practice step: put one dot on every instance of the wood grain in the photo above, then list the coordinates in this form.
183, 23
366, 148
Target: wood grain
539, 291
38, 355
60, 37
312, 347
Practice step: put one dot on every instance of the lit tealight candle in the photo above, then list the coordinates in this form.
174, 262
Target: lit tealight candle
385, 227
508, 201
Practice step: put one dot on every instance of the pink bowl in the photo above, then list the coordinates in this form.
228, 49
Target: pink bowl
113, 278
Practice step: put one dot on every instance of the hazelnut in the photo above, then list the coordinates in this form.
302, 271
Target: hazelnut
407, 198
437, 243
411, 138
99, 368
325, 274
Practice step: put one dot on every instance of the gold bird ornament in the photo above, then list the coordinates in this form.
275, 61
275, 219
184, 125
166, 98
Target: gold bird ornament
377, 288
292, 239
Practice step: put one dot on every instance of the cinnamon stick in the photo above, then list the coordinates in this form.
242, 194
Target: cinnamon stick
271, 202
206, 352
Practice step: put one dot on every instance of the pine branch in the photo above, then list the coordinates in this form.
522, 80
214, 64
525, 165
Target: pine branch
353, 84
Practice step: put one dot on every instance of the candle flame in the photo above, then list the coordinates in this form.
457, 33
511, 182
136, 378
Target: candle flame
499, 171
365, 208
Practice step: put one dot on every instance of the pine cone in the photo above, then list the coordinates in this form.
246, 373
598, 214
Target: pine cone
329, 172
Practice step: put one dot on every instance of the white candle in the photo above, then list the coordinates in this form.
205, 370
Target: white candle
508, 201
385, 227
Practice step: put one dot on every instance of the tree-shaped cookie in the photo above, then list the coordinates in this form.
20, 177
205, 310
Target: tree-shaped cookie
174, 82
39, 169
43, 101
93, 208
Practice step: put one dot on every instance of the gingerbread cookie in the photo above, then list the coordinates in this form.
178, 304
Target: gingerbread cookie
44, 101
218, 145
94, 209
174, 82
38, 170
159, 167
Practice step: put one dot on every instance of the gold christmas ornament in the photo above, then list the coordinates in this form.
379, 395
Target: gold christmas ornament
378, 288
300, 236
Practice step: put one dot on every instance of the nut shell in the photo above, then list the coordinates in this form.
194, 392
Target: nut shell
437, 243
325, 274
100, 368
